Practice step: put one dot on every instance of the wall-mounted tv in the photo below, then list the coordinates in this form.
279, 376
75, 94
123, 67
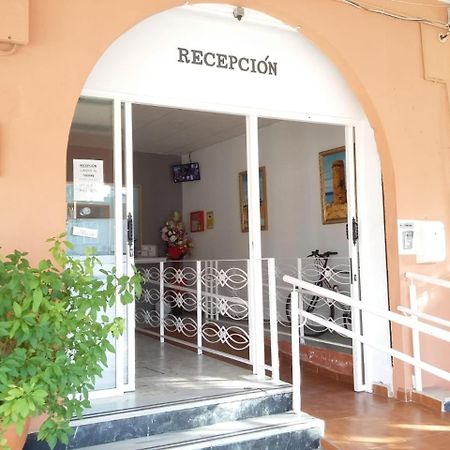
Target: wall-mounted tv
186, 172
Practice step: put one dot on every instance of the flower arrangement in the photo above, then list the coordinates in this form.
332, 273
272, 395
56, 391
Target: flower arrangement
175, 237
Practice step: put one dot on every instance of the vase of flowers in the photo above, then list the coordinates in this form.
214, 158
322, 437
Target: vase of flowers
175, 237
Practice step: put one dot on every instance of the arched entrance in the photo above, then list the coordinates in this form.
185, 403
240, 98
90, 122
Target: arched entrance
201, 58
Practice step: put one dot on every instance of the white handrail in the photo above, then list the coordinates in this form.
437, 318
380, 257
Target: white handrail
390, 351
424, 316
388, 315
427, 279
410, 322
415, 314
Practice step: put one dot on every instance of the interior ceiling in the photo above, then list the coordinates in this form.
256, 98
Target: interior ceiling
156, 129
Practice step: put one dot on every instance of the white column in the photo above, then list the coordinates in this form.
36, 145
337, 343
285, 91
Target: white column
254, 235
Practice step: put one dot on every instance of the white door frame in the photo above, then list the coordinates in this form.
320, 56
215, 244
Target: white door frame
351, 125
129, 384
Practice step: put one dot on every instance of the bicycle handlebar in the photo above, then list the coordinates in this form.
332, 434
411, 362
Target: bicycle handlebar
316, 253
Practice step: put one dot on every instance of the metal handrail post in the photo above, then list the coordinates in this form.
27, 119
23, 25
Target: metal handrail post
300, 277
161, 302
417, 382
251, 319
295, 344
199, 308
273, 317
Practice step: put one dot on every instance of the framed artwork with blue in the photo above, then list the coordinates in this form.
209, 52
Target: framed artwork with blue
333, 187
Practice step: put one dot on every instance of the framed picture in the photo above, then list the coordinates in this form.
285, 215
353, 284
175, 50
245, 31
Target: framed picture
333, 188
197, 221
243, 196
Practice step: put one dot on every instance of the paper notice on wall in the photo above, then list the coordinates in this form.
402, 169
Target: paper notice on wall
85, 232
88, 183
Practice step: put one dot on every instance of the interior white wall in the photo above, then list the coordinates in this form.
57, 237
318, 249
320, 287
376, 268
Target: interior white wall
289, 151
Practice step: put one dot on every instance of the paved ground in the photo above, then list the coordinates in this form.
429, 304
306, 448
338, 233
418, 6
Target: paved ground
359, 421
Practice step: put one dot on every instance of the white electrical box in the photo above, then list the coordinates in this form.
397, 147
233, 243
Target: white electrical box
14, 22
431, 245
423, 238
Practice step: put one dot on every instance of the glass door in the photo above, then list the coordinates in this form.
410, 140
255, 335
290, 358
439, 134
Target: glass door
99, 176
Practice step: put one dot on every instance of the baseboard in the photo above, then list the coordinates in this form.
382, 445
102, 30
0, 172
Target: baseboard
382, 390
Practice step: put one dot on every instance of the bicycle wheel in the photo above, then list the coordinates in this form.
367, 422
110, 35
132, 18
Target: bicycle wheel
316, 305
321, 307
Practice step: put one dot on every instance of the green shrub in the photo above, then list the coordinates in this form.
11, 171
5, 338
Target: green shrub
55, 335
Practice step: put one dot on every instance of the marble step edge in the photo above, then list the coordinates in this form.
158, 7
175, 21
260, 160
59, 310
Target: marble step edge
158, 421
253, 394
228, 434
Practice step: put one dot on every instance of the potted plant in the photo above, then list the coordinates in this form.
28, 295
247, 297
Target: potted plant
175, 237
55, 334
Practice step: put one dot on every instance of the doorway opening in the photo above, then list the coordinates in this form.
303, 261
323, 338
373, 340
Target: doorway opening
294, 175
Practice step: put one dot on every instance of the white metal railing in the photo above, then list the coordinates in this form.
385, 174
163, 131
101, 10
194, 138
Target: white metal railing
334, 275
409, 322
215, 306
416, 315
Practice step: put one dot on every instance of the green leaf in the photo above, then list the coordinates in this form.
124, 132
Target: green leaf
51, 441
37, 300
17, 309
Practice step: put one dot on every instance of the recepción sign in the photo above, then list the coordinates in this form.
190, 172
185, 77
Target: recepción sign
224, 61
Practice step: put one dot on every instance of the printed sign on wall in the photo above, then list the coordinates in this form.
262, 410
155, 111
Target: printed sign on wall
88, 180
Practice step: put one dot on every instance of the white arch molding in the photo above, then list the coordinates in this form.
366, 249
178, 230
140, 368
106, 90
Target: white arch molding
143, 66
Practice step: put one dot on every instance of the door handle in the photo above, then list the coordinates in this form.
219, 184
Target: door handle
130, 233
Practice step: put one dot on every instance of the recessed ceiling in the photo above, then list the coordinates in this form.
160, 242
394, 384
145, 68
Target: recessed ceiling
156, 129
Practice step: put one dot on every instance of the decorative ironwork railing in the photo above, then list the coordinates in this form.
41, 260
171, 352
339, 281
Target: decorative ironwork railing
203, 303
207, 304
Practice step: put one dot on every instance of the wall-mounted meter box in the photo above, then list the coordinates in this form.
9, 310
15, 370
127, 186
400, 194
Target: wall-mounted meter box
14, 22
423, 238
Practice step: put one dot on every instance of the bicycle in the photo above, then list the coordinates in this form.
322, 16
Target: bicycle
323, 307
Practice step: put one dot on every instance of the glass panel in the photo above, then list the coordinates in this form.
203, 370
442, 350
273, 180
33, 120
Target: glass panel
90, 195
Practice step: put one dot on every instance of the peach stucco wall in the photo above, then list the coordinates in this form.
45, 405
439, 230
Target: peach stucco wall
405, 96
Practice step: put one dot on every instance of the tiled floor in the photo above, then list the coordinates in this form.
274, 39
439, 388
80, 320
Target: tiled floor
166, 373
358, 421
354, 421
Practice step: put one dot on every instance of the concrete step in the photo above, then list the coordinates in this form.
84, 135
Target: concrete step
287, 431
104, 428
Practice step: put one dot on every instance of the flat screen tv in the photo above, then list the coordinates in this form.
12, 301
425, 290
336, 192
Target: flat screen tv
186, 172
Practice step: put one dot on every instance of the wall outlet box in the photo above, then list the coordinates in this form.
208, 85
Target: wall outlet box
14, 21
